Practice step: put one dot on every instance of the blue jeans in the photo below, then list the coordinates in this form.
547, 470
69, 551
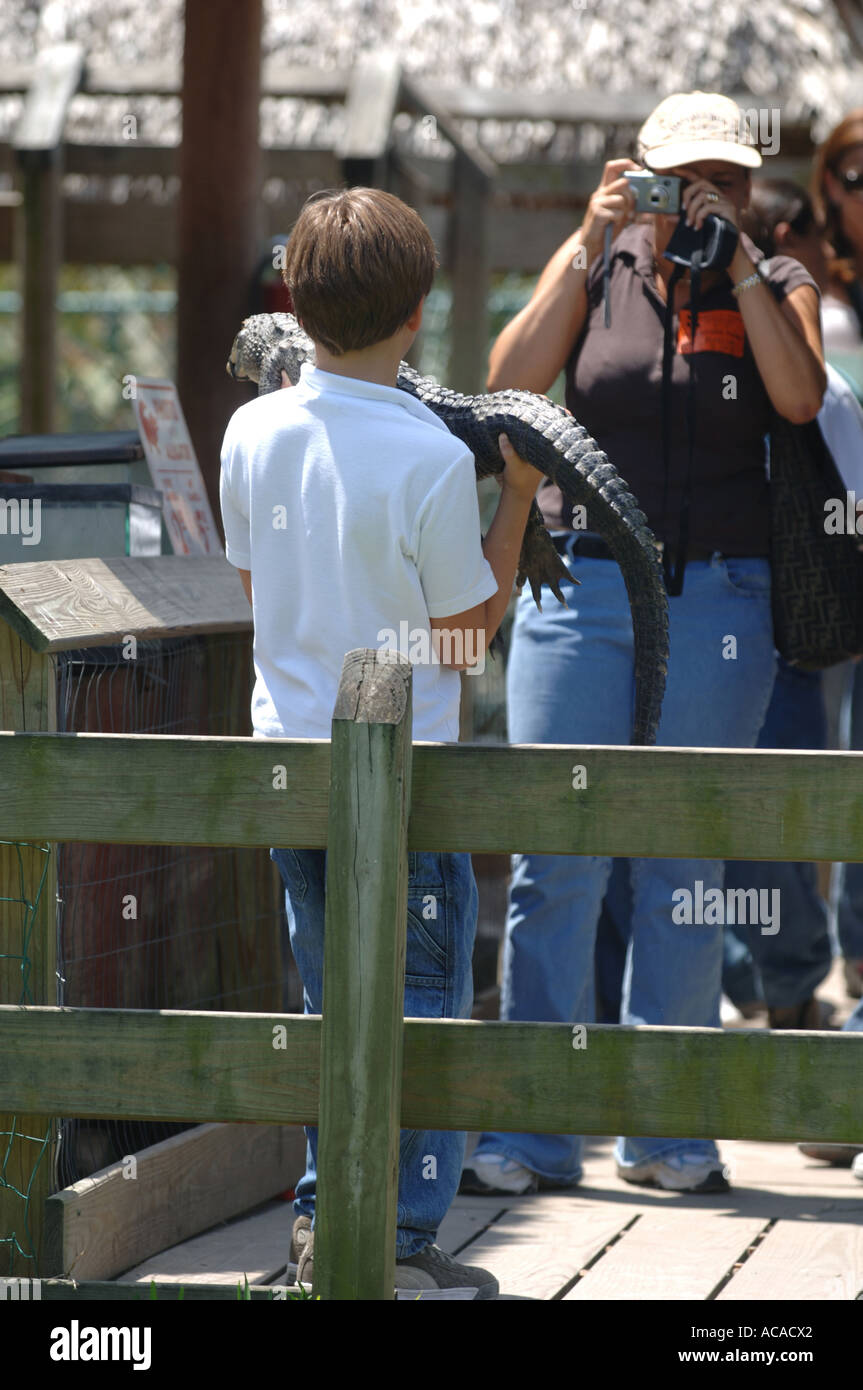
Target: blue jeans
847, 888
784, 968
570, 680
442, 914
794, 961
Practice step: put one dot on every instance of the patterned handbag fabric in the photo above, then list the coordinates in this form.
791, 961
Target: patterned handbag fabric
817, 577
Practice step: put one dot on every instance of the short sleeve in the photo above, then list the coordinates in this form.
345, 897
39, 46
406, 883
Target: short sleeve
785, 274
233, 500
453, 571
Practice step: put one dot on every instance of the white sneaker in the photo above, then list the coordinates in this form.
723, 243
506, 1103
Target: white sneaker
857, 1167
495, 1175
678, 1172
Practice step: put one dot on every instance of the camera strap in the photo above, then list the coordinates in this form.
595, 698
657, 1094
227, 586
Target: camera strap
711, 248
674, 577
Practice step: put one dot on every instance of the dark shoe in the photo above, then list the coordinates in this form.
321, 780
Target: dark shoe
433, 1269
840, 1155
430, 1272
854, 978
808, 1015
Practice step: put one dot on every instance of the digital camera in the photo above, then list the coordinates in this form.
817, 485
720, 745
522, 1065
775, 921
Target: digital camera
654, 192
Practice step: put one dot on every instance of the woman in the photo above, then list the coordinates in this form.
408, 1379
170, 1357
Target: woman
570, 671
837, 194
837, 197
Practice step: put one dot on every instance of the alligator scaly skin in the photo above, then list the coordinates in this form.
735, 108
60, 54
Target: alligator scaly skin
545, 435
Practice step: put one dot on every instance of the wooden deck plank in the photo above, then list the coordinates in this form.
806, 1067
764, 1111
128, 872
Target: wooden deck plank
182, 1186
680, 1247
803, 1260
668, 1255
536, 1248
466, 1219
256, 1246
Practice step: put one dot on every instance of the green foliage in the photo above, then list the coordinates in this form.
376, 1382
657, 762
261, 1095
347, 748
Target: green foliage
96, 348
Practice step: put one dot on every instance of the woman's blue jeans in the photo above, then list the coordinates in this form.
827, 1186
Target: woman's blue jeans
570, 680
784, 968
442, 915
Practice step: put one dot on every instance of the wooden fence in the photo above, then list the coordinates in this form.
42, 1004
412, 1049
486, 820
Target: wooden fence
369, 796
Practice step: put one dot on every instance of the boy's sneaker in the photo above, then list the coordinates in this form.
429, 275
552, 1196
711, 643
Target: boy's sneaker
431, 1271
493, 1175
857, 1167
300, 1237
686, 1172
434, 1269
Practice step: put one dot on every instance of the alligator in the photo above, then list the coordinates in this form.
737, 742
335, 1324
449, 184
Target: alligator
545, 435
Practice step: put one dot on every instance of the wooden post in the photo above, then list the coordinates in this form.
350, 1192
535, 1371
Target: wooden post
38, 153
470, 261
469, 242
370, 105
364, 979
28, 967
218, 218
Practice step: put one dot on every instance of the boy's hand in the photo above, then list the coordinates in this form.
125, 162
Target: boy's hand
518, 476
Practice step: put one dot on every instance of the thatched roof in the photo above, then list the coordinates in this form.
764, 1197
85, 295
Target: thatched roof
798, 49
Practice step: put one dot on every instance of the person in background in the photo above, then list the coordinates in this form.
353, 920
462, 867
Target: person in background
787, 966
570, 670
837, 196
837, 200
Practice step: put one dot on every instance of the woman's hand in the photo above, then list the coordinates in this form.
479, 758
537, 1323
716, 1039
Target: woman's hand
700, 198
613, 202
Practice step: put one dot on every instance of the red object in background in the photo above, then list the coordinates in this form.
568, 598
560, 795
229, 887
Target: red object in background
268, 293
276, 298
150, 425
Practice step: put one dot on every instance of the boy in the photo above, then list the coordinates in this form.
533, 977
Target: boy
349, 509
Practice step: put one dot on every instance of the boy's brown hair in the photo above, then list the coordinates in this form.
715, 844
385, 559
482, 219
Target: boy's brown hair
358, 263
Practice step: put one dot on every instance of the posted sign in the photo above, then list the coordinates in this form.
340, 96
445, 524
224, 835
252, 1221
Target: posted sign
174, 468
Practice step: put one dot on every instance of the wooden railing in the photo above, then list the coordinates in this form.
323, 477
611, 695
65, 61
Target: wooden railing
369, 796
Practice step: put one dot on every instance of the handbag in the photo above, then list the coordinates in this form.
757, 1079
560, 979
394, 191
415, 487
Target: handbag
816, 568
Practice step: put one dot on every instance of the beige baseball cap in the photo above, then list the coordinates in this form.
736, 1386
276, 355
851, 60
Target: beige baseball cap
689, 126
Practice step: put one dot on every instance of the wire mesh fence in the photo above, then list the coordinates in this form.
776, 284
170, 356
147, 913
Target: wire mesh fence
145, 926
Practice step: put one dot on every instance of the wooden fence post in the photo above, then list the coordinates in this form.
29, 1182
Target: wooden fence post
364, 974
39, 155
371, 102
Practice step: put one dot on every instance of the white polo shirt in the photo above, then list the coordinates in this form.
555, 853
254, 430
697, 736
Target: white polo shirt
356, 511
